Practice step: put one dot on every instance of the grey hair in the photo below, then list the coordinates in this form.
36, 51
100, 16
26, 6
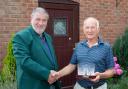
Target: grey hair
92, 18
39, 10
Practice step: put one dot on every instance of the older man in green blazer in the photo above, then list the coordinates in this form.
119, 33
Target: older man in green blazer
35, 56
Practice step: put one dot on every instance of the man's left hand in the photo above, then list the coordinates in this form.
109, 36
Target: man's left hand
95, 77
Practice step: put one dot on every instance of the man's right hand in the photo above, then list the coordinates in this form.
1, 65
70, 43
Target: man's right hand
53, 76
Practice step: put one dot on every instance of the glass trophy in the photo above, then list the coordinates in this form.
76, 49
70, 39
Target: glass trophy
86, 70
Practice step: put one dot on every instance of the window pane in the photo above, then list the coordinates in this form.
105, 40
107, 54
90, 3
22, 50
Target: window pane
60, 26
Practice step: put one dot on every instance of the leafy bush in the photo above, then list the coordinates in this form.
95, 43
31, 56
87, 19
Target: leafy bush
120, 49
8, 84
8, 73
118, 82
9, 64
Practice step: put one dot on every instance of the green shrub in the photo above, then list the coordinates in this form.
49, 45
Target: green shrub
8, 84
9, 65
124, 49
120, 49
8, 73
118, 82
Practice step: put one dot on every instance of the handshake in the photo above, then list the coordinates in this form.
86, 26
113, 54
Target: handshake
53, 76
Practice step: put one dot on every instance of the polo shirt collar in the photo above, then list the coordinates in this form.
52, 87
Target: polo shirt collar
100, 41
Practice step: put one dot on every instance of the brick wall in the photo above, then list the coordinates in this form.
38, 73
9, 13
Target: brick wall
113, 17
15, 15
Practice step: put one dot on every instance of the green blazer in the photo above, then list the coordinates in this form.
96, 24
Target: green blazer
33, 64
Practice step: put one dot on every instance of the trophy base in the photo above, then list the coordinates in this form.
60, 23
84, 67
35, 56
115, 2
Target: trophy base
80, 77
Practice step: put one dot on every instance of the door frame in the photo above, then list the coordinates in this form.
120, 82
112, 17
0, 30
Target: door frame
51, 4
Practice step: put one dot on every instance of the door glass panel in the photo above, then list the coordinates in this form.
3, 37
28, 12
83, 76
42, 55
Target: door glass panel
60, 26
